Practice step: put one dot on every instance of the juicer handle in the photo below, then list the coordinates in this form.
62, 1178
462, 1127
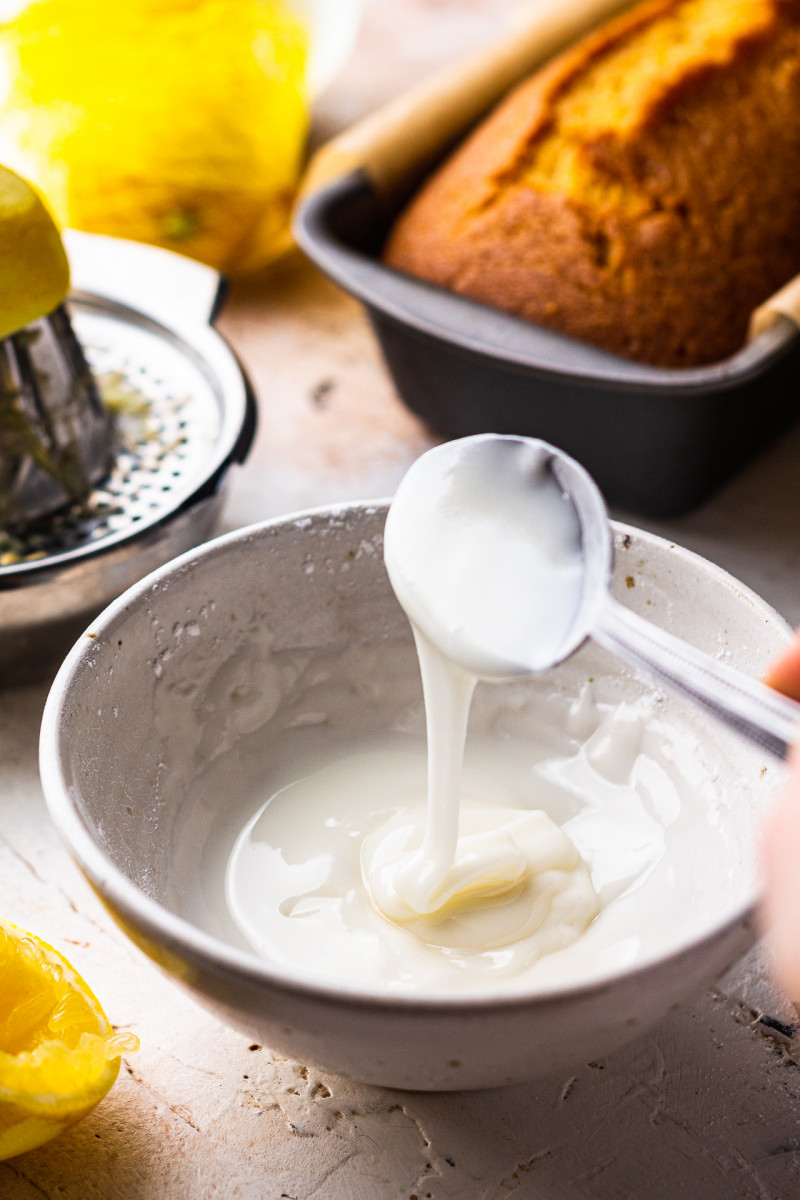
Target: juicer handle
412, 132
171, 288
756, 711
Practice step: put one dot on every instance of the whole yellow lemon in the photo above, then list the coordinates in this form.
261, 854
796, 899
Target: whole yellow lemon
176, 122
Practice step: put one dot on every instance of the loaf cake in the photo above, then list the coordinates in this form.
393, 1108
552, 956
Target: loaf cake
642, 192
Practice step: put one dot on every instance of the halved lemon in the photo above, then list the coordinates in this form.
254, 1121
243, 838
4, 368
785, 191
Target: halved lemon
34, 273
58, 1053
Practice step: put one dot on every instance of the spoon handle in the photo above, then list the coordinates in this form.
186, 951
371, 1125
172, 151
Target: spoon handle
758, 712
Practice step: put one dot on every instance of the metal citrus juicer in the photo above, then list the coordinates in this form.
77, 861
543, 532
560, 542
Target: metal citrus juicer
123, 411
56, 434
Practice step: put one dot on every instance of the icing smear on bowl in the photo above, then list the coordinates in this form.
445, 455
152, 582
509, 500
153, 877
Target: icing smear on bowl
386, 868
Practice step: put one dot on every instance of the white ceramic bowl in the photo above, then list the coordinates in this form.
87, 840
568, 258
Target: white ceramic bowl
173, 689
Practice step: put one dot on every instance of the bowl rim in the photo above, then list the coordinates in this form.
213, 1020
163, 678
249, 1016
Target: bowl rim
180, 937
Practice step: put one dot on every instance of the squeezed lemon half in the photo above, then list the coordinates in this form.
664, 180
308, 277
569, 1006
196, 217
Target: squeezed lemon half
176, 122
58, 1053
34, 273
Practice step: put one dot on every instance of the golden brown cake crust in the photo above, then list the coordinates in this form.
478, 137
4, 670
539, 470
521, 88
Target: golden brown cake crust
642, 192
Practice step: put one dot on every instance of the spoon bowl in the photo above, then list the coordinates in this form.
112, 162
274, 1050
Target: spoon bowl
499, 549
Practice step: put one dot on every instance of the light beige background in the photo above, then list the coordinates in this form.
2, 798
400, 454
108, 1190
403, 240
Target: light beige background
708, 1108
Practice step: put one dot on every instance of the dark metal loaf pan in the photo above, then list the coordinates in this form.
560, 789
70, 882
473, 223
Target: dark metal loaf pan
658, 441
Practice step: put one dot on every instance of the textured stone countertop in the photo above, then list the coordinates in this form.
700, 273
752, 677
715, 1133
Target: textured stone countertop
707, 1107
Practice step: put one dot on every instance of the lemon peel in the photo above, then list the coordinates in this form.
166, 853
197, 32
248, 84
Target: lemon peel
34, 272
176, 122
58, 1053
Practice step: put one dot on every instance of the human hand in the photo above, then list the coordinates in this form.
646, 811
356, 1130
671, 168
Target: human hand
780, 851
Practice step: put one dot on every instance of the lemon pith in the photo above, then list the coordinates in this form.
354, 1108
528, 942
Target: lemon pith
175, 122
58, 1053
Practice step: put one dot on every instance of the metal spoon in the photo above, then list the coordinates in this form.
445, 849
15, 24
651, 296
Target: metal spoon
758, 712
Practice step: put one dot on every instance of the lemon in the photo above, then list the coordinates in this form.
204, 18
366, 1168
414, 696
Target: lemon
58, 1053
176, 122
34, 273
